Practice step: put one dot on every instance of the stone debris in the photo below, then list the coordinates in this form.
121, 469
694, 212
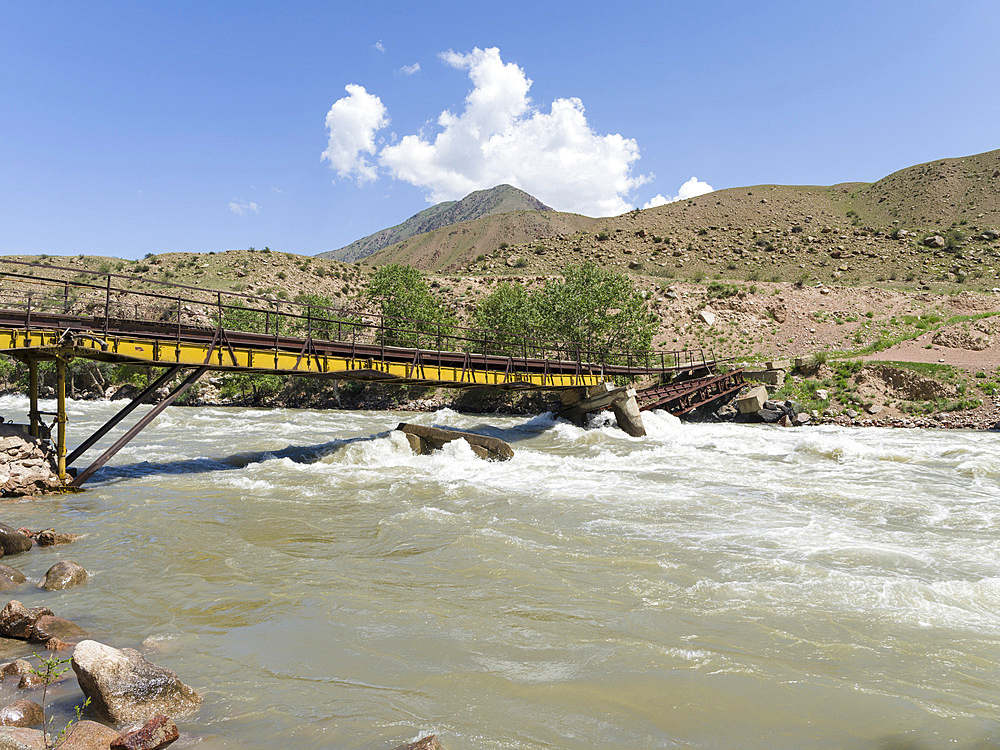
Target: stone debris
27, 464
753, 401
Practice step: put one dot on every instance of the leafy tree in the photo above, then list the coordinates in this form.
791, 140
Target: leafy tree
507, 314
247, 384
317, 307
412, 315
599, 309
236, 316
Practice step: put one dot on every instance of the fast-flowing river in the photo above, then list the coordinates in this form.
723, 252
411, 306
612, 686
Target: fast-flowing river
709, 586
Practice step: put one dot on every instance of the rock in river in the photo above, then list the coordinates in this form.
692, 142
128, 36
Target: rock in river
123, 686
156, 733
10, 578
12, 541
17, 621
63, 575
48, 627
21, 714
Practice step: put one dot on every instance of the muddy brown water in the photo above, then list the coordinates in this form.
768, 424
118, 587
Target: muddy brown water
709, 586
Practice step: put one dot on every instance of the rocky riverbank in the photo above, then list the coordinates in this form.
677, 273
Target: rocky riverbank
128, 700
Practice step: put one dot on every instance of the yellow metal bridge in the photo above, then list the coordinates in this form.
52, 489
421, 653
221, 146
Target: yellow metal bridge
46, 315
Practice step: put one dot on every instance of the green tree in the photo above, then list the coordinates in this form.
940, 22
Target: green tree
599, 309
236, 316
507, 314
250, 385
412, 315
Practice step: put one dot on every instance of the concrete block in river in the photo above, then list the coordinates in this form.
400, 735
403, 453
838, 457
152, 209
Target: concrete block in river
425, 439
627, 414
753, 401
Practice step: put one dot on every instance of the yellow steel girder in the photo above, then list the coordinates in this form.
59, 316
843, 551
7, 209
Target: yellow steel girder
46, 343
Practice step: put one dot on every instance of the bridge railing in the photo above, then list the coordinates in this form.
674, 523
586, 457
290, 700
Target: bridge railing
109, 300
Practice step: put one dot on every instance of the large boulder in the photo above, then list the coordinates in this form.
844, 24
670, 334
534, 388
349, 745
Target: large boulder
123, 686
17, 621
22, 713
13, 541
63, 575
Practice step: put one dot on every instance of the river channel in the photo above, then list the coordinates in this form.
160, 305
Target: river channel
709, 586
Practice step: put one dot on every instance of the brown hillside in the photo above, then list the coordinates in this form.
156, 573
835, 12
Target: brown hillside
842, 233
453, 247
936, 193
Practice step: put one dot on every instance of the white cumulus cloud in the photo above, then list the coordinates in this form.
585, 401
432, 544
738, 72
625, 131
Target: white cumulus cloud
352, 123
409, 70
378, 46
690, 189
243, 208
500, 136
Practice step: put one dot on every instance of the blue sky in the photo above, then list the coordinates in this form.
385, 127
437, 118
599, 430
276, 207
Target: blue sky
129, 127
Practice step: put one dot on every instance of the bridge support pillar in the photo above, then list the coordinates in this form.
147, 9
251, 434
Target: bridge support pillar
61, 416
581, 402
627, 413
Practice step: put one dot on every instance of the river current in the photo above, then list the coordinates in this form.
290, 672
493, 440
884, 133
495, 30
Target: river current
708, 586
